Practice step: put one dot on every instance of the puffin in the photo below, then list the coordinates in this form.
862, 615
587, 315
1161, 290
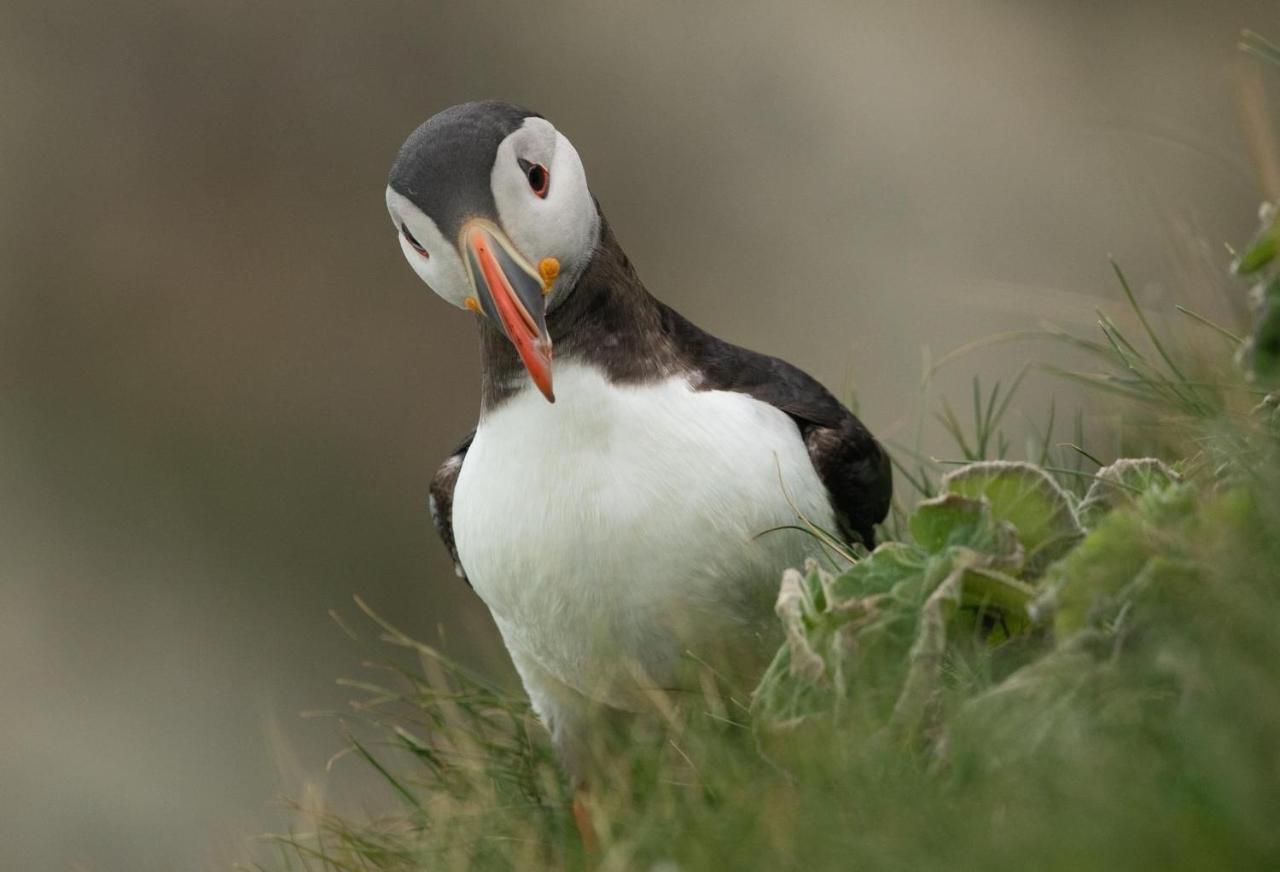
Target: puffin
630, 496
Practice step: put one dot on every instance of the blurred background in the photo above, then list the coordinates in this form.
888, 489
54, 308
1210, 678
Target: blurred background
223, 392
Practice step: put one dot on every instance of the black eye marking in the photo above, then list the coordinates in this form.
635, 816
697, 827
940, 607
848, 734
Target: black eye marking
538, 176
408, 237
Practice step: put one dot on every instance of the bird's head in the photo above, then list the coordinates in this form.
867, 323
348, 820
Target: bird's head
493, 212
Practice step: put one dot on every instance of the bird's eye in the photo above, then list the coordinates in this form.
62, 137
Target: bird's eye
417, 246
539, 178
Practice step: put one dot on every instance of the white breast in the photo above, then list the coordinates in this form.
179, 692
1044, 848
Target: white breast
616, 529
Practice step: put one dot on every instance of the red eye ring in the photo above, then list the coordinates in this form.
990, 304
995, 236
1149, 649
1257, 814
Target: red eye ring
538, 176
413, 243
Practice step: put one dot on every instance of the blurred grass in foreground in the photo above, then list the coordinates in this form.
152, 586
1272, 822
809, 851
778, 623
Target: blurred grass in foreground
1053, 668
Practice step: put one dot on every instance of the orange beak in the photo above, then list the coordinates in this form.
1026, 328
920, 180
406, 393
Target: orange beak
512, 294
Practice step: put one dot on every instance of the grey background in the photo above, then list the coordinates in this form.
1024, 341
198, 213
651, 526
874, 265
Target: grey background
222, 392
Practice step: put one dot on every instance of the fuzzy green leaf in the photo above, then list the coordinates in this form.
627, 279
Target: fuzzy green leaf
1119, 483
1262, 249
991, 589
1025, 497
952, 520
1260, 353
883, 571
1086, 589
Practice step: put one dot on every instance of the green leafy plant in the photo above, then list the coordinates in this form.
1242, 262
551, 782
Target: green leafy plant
976, 553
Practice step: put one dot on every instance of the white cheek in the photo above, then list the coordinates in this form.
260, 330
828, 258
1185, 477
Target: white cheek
443, 272
523, 215
421, 265
442, 269
564, 224
577, 223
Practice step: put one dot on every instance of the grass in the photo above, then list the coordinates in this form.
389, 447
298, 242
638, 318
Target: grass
1056, 665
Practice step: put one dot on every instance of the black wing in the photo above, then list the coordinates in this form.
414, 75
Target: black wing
852, 466
440, 500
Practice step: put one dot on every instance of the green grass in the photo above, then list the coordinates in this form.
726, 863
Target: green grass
1054, 665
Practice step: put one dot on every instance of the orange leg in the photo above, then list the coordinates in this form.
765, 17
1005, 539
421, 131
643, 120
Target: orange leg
582, 817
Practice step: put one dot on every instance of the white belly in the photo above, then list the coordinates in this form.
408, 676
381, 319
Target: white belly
613, 531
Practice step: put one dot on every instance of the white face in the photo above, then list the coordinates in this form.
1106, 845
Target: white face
557, 219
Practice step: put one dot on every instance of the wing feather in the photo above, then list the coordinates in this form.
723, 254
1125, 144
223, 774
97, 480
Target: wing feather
440, 500
852, 465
